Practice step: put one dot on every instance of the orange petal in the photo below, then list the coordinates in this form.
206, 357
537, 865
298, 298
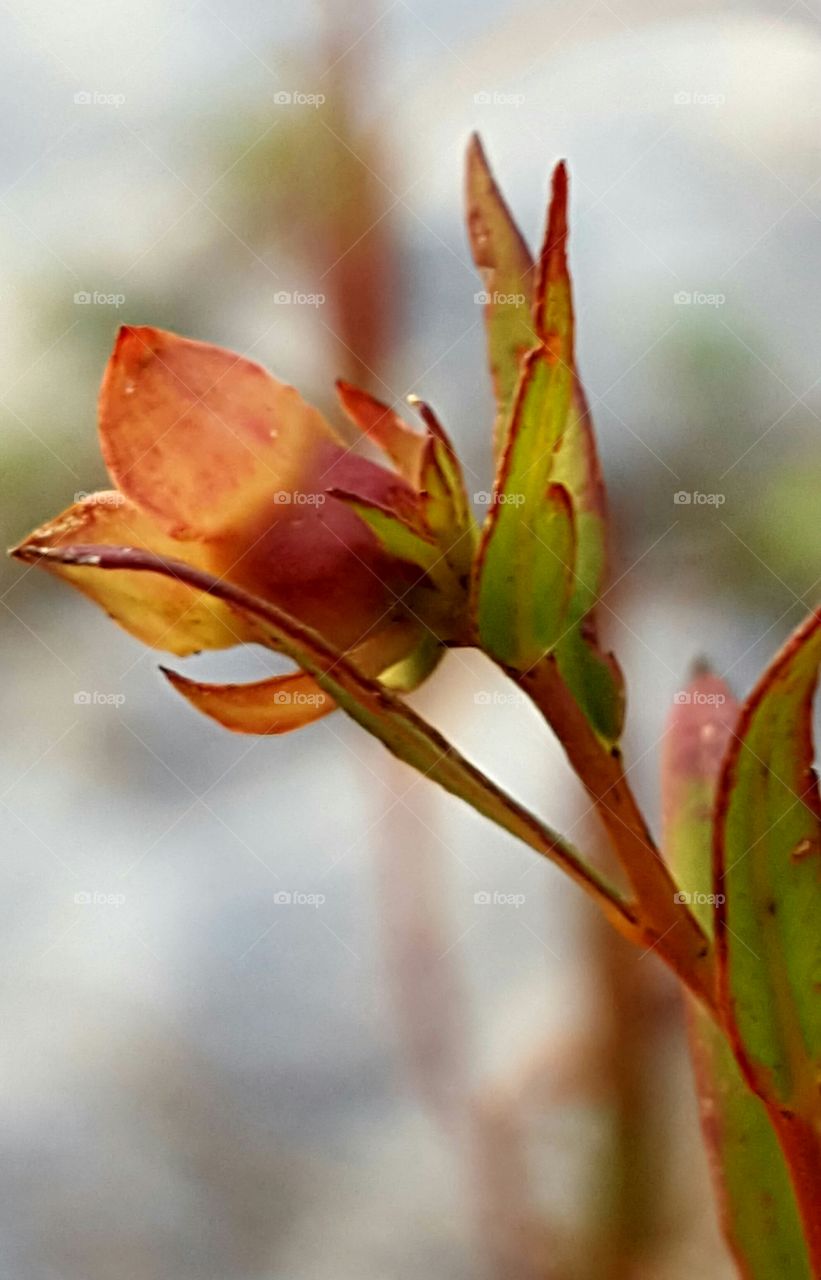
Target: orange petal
158, 610
200, 437
277, 705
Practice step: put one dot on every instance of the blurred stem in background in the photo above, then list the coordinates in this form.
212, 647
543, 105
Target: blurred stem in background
305, 185
624, 1226
363, 271
501, 1128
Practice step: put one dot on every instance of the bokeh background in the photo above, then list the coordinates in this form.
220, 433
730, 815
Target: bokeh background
200, 1081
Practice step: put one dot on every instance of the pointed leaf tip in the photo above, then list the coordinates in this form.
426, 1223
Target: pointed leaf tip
552, 308
505, 265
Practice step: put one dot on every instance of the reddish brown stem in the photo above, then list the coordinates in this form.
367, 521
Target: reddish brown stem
676, 934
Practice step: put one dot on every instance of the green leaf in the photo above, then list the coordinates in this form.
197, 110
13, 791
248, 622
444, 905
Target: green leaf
394, 536
595, 680
526, 562
592, 675
506, 267
375, 708
758, 1210
767, 867
536, 585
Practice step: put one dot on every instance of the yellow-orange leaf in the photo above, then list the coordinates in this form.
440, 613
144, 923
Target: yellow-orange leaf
162, 612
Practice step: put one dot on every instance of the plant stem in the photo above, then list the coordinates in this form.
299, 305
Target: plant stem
404, 733
676, 934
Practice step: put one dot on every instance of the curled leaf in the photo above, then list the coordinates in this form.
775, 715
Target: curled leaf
272, 706
280, 704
